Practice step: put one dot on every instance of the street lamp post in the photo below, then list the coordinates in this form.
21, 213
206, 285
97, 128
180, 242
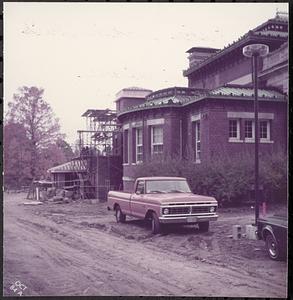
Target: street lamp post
254, 51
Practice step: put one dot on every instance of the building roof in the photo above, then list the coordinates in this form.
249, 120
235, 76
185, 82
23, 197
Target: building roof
132, 92
233, 92
173, 91
98, 112
202, 49
135, 88
264, 33
78, 165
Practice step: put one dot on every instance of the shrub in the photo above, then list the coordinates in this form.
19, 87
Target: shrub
229, 179
274, 177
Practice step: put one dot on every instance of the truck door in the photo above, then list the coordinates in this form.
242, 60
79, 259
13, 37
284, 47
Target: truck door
137, 205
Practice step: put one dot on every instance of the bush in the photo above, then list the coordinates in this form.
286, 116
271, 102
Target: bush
229, 179
274, 176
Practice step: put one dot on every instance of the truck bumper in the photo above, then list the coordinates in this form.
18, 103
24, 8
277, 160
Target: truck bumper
187, 219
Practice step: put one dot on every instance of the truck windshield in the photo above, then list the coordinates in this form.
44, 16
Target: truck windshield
167, 186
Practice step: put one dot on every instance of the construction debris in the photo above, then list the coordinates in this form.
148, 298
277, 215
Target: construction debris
32, 203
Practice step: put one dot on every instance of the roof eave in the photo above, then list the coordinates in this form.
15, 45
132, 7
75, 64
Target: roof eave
228, 97
147, 108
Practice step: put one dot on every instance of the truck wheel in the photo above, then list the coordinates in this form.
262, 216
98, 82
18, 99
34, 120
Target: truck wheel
156, 226
272, 247
120, 217
203, 226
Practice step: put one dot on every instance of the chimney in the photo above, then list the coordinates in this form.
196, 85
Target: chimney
199, 54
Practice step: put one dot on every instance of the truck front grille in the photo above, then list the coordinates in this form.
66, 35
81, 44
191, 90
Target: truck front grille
183, 210
179, 210
204, 209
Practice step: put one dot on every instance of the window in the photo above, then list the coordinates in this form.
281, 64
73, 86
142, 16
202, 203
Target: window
125, 147
264, 130
139, 149
157, 140
234, 129
249, 129
197, 141
167, 186
140, 187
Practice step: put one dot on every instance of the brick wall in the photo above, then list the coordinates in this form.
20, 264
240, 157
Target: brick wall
124, 103
219, 128
218, 76
214, 128
171, 138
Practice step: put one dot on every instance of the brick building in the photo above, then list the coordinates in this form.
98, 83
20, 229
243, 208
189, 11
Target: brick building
214, 115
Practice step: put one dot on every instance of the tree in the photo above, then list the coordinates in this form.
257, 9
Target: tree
17, 156
51, 157
37, 118
65, 147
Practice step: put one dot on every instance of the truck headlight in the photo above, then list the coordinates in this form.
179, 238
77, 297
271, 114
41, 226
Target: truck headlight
212, 209
165, 211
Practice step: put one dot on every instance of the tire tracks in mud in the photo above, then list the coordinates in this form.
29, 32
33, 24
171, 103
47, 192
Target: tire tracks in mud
78, 256
237, 263
74, 240
90, 270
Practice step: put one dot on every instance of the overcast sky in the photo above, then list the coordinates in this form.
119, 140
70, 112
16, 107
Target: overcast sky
82, 54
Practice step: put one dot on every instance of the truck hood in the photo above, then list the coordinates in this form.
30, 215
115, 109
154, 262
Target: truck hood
173, 198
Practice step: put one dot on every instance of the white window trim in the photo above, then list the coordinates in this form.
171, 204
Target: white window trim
152, 135
261, 140
235, 139
250, 140
268, 139
125, 126
197, 160
153, 122
136, 124
249, 115
195, 118
138, 145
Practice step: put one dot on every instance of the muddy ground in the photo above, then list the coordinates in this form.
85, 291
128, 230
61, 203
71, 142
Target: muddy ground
79, 249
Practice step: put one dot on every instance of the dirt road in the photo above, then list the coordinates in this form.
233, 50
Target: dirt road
78, 249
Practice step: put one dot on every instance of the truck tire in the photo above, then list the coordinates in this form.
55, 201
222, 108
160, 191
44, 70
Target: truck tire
272, 247
156, 226
120, 217
204, 226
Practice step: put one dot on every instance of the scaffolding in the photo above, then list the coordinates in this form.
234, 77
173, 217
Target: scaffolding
101, 126
95, 141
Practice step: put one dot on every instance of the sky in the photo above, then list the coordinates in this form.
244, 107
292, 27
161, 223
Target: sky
82, 54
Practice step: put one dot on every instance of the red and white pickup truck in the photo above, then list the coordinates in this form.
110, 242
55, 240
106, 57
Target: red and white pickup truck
164, 200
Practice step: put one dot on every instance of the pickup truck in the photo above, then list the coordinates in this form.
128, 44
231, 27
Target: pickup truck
163, 200
274, 230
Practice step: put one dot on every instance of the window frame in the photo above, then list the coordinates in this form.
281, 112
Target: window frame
137, 145
136, 188
153, 127
252, 138
197, 141
237, 138
268, 131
